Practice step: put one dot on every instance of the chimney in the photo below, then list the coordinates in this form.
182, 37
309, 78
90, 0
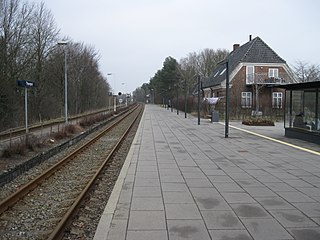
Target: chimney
250, 38
235, 46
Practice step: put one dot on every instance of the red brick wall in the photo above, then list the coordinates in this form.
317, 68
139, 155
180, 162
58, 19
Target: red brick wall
238, 85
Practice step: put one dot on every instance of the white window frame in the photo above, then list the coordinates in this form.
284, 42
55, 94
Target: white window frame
273, 72
250, 74
246, 99
223, 71
277, 100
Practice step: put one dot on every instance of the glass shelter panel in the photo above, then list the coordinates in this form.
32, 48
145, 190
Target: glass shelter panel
310, 109
296, 110
288, 115
302, 110
318, 111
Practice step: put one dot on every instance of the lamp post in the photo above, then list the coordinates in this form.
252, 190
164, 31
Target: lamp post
124, 84
114, 81
227, 97
152, 96
171, 92
178, 98
114, 95
226, 135
185, 97
26, 85
199, 88
64, 43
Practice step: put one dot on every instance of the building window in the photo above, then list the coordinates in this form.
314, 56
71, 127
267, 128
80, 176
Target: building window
249, 74
246, 99
273, 73
223, 71
277, 100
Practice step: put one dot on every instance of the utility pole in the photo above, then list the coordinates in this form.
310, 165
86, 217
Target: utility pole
178, 98
26, 85
199, 88
185, 97
64, 43
226, 135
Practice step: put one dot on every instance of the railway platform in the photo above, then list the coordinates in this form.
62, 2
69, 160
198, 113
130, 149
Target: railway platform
182, 180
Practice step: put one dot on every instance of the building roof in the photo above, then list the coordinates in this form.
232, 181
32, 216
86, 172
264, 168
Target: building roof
301, 85
254, 51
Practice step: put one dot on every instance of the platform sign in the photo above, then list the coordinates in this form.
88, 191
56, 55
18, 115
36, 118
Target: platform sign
25, 83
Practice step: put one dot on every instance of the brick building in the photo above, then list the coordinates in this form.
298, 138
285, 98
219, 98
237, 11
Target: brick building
255, 71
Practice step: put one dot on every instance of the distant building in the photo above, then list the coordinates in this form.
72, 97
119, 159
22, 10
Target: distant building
255, 71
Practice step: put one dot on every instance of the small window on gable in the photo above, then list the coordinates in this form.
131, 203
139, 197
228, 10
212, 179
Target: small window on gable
215, 74
249, 74
223, 71
273, 72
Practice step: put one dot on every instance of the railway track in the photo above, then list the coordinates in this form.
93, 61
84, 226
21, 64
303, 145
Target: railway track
20, 131
17, 135
44, 207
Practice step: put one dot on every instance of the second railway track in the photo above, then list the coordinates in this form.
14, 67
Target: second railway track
42, 208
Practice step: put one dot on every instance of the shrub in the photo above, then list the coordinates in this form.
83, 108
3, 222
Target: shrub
33, 142
15, 149
258, 122
59, 135
73, 129
88, 121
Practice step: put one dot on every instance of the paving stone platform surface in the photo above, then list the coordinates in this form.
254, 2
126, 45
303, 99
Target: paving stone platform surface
182, 180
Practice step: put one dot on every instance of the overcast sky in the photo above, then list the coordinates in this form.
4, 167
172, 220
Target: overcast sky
134, 37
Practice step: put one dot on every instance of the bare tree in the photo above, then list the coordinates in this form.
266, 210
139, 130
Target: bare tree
188, 71
139, 94
201, 64
28, 51
44, 37
88, 88
15, 18
208, 59
307, 72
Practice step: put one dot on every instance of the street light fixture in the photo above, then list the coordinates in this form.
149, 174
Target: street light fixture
177, 85
114, 95
114, 81
227, 97
199, 88
64, 43
185, 97
152, 96
124, 84
226, 134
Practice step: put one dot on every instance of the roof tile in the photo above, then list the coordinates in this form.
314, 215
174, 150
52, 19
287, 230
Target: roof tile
254, 51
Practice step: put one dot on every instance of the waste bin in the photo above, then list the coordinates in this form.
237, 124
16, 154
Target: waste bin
215, 116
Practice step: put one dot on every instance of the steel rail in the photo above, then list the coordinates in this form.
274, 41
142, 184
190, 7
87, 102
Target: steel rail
12, 199
58, 232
